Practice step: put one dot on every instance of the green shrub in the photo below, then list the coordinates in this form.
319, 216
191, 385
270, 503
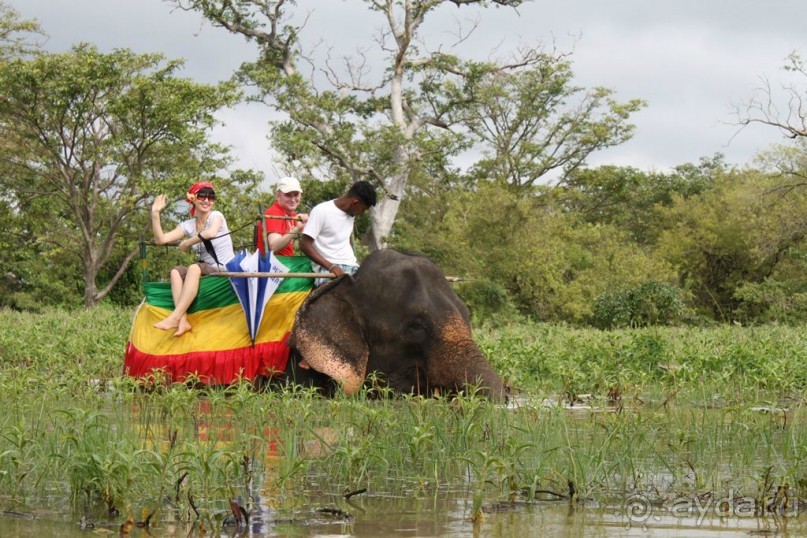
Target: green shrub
485, 299
651, 303
772, 301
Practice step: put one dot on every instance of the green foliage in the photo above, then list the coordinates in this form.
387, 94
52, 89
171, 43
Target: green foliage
89, 138
780, 301
626, 197
173, 457
486, 299
38, 271
86, 343
316, 192
529, 126
732, 241
16, 35
720, 363
740, 232
552, 264
650, 303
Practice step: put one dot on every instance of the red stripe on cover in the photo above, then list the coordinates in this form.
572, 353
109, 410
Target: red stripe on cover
211, 367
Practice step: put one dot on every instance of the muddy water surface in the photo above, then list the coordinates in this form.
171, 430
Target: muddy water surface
444, 517
322, 510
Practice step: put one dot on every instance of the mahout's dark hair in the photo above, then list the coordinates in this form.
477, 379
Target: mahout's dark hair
364, 191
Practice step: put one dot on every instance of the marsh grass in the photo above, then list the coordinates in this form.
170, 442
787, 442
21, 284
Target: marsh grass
669, 412
717, 364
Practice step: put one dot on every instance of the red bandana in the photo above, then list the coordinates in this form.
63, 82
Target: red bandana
192, 193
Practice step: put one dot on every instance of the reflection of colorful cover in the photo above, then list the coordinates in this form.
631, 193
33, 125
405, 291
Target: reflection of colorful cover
218, 349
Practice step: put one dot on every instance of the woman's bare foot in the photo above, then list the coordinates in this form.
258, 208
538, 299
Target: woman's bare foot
183, 327
167, 324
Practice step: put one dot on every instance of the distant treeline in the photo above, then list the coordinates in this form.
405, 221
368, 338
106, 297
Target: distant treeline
616, 247
612, 247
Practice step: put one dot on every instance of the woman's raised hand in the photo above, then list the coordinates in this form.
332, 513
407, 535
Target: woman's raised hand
159, 203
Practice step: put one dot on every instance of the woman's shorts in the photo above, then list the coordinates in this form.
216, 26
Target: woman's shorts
206, 269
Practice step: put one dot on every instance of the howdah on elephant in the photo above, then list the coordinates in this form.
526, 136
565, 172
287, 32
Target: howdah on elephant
398, 317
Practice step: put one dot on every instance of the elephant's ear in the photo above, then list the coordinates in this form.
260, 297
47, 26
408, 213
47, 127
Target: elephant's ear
329, 334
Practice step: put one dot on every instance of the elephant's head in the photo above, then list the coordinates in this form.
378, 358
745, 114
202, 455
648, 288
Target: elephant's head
398, 317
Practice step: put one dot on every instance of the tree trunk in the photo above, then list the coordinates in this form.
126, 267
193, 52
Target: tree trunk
90, 290
91, 268
383, 215
381, 220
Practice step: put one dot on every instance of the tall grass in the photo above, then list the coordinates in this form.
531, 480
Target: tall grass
675, 411
725, 362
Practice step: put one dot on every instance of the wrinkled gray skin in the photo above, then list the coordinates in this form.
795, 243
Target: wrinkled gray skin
398, 317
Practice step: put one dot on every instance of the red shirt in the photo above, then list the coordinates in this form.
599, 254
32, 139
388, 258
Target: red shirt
278, 226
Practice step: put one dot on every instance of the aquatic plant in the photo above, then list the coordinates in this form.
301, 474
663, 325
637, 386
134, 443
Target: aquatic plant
597, 415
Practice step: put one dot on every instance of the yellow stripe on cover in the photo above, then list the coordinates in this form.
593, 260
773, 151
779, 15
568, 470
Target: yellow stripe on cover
218, 349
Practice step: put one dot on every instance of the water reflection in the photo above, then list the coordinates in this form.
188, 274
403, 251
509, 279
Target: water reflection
673, 439
444, 516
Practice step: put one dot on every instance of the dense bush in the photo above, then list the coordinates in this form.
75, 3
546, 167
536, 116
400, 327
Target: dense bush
651, 303
773, 301
485, 299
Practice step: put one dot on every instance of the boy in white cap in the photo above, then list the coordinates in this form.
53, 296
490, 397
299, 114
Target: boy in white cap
283, 223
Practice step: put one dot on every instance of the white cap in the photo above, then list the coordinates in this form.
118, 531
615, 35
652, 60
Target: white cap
289, 184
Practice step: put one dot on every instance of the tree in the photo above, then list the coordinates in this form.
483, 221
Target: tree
529, 131
626, 196
741, 232
90, 137
767, 108
16, 40
15, 34
425, 107
551, 262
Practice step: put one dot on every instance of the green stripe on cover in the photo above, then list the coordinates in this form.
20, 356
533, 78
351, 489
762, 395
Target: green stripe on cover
218, 348
216, 292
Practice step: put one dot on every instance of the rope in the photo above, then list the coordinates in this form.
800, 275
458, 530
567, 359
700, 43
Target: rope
207, 243
153, 244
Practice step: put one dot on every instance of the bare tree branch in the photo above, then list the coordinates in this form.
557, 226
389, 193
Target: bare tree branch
762, 108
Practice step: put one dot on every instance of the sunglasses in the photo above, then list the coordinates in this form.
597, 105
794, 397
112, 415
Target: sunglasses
206, 196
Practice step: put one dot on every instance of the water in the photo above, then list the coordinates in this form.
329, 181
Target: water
446, 516
420, 509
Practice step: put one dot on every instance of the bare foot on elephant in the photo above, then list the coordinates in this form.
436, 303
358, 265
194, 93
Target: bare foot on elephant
167, 324
182, 325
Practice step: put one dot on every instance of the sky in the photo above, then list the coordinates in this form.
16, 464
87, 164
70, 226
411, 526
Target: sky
692, 61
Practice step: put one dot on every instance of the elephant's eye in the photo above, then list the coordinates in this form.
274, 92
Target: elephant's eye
417, 328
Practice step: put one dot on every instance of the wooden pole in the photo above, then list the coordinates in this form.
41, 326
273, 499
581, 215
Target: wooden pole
272, 275
299, 275
284, 217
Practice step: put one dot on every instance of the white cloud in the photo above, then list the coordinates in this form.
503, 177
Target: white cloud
690, 59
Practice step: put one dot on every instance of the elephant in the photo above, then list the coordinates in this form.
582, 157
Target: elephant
397, 317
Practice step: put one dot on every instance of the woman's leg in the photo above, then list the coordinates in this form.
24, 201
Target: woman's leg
188, 289
177, 278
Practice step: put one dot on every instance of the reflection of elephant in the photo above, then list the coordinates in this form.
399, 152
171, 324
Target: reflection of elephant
397, 317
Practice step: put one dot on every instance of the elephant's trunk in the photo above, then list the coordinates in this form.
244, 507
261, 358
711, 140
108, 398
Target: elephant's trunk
458, 362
